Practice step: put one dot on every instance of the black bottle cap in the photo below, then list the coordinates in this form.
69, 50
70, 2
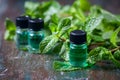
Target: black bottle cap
78, 37
36, 24
22, 21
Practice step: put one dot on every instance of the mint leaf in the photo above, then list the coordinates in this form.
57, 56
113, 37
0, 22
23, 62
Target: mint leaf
33, 9
64, 22
31, 6
9, 24
56, 48
117, 54
45, 6
64, 26
54, 8
114, 37
78, 13
64, 52
63, 66
93, 23
110, 18
63, 49
115, 61
10, 30
98, 54
107, 35
44, 42
95, 11
52, 27
55, 19
64, 30
97, 38
50, 44
82, 4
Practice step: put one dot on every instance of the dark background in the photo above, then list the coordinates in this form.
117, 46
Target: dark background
13, 8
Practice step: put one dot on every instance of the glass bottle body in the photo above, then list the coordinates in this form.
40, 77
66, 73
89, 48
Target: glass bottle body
78, 55
22, 39
34, 39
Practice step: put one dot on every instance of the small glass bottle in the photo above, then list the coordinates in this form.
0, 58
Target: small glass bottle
78, 48
22, 32
35, 35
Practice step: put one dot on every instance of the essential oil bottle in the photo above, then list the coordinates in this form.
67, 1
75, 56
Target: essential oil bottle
22, 32
35, 35
78, 48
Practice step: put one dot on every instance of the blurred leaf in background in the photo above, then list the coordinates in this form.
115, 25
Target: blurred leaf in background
10, 30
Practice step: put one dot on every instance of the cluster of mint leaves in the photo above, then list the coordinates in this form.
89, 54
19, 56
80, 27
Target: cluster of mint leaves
102, 27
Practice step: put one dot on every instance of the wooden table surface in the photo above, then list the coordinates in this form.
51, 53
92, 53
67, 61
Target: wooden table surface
19, 65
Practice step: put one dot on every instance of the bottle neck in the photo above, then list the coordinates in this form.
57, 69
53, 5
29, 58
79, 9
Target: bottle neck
78, 45
35, 32
18, 28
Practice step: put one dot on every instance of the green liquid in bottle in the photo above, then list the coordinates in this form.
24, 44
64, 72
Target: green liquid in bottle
22, 39
34, 39
78, 55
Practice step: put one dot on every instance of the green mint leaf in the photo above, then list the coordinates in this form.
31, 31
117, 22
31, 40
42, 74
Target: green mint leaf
33, 9
89, 38
55, 19
78, 8
115, 61
90, 25
101, 53
65, 26
98, 54
54, 8
107, 35
50, 45
64, 22
56, 48
44, 42
63, 49
56, 4
32, 6
65, 11
63, 66
9, 25
94, 11
114, 37
110, 18
64, 52
117, 54
45, 6
97, 38
52, 27
64, 30
93, 23
82, 4
10, 30
78, 13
